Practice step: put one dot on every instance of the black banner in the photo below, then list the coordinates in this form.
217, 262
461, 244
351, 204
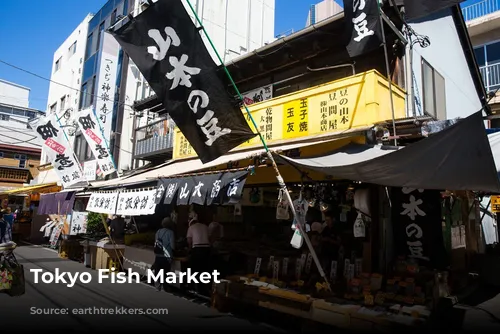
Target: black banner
160, 191
186, 187
168, 50
233, 187
202, 188
171, 188
214, 191
363, 26
416, 216
418, 9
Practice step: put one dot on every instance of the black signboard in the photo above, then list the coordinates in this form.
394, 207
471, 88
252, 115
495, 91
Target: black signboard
363, 26
418, 234
168, 50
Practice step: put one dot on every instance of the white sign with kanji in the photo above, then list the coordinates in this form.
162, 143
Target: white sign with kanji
103, 202
94, 136
106, 85
58, 150
136, 203
78, 223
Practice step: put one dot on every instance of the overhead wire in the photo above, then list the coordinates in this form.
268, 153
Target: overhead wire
64, 85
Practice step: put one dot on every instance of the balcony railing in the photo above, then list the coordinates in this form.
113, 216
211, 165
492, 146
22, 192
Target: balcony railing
491, 76
480, 9
155, 140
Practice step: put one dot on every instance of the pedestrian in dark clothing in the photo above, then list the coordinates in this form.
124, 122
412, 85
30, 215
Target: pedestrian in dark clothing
164, 239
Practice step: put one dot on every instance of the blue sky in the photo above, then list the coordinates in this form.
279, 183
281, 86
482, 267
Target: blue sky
31, 30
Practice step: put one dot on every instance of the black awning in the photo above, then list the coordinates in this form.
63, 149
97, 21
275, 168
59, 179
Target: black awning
456, 158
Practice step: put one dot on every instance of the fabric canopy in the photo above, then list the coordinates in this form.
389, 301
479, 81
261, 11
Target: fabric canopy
456, 158
56, 203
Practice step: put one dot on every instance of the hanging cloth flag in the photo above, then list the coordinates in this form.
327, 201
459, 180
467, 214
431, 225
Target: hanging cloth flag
363, 26
58, 150
417, 9
94, 136
168, 50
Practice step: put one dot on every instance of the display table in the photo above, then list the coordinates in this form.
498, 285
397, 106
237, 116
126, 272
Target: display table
348, 316
141, 258
109, 255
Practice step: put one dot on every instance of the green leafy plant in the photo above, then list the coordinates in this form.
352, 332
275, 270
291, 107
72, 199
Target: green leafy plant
94, 224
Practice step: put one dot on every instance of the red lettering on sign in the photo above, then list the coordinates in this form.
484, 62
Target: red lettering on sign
93, 136
55, 146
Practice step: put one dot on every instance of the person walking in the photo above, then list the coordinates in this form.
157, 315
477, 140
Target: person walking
199, 244
164, 248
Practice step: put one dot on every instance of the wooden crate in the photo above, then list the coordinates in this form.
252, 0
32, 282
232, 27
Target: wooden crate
104, 256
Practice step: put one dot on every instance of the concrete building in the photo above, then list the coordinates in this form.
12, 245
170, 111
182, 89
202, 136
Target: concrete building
14, 94
20, 149
483, 24
322, 11
444, 87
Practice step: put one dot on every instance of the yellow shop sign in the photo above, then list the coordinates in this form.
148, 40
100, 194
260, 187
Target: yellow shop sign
349, 103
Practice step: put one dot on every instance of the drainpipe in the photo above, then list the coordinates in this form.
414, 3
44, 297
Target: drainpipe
249, 25
410, 102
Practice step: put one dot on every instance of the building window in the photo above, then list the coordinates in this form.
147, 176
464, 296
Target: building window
87, 95
72, 49
57, 66
89, 51
82, 149
1, 155
434, 92
99, 36
488, 59
113, 17
4, 117
63, 103
22, 160
53, 108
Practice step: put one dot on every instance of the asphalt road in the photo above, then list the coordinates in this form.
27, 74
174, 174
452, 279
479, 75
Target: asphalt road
83, 303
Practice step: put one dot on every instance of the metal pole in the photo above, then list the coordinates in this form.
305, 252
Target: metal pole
281, 182
388, 73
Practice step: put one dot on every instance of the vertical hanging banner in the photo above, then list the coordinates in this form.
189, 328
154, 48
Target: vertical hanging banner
94, 136
106, 85
417, 224
58, 150
168, 49
363, 26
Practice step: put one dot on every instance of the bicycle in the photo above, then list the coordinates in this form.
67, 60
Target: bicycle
11, 272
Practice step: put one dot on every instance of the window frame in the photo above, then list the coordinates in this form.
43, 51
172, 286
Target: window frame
439, 111
57, 64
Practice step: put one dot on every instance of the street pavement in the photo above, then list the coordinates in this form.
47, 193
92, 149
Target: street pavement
183, 315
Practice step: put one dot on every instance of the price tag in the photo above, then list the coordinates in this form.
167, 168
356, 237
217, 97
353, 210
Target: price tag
351, 271
276, 270
303, 261
333, 271
298, 268
285, 266
347, 262
308, 263
257, 266
270, 263
359, 267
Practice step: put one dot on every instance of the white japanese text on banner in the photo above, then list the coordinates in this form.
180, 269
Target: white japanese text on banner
58, 150
95, 138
